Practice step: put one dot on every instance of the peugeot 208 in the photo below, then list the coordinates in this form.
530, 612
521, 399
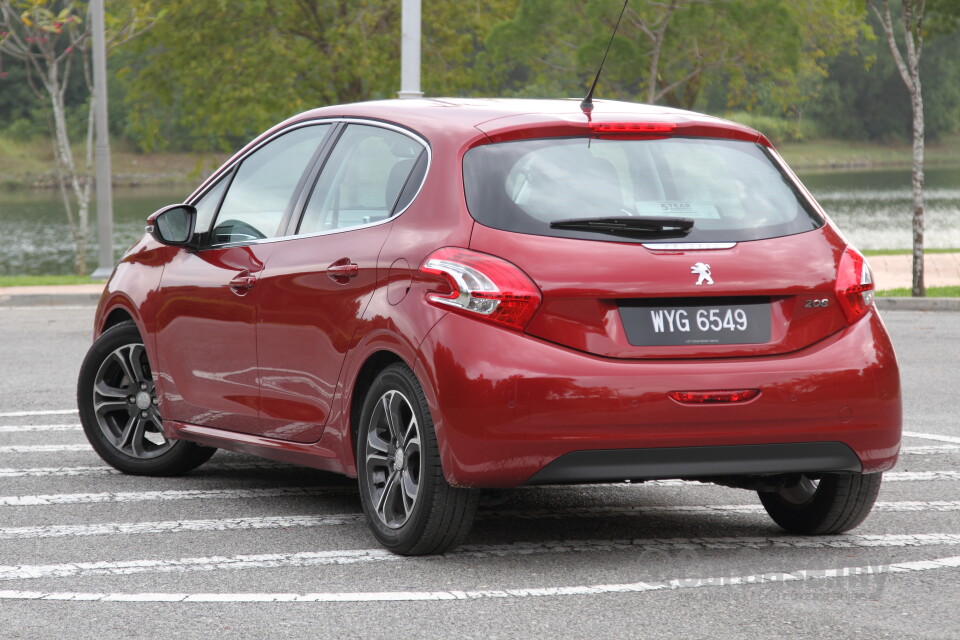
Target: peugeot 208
439, 296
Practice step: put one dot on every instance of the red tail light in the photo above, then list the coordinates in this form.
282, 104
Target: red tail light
712, 397
854, 286
483, 286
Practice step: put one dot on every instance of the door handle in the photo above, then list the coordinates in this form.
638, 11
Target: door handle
242, 283
342, 270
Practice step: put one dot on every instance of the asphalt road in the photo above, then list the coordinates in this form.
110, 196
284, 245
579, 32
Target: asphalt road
247, 549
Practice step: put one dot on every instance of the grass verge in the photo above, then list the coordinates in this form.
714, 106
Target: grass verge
903, 252
932, 292
845, 154
45, 281
30, 163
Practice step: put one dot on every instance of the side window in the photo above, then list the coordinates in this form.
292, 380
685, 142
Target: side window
263, 185
362, 179
207, 205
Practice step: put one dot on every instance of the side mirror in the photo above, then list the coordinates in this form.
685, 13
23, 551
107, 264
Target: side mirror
173, 225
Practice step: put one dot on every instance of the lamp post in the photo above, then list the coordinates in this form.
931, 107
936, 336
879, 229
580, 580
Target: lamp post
104, 192
410, 50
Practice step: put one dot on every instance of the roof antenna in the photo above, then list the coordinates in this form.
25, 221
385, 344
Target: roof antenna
587, 105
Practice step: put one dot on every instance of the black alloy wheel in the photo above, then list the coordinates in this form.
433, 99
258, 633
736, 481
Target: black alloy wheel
119, 409
408, 504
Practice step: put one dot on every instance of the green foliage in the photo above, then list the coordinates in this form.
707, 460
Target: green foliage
212, 74
863, 96
778, 129
553, 48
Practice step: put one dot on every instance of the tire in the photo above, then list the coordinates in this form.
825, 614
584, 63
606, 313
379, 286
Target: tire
408, 504
119, 409
838, 502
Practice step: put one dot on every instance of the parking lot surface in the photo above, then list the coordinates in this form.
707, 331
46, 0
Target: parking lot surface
248, 548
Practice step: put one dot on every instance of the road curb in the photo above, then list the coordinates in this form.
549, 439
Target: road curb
49, 300
918, 304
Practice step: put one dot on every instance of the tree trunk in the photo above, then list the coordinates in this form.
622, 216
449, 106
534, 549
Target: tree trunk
919, 289
909, 67
67, 173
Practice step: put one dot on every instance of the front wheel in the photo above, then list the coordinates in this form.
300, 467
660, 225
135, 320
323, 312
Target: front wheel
407, 502
119, 409
834, 503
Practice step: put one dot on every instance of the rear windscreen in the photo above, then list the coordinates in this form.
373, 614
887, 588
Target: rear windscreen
731, 190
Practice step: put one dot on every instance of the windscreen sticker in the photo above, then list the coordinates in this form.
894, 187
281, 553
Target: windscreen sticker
676, 208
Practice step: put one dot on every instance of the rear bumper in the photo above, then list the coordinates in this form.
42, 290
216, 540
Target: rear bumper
506, 406
698, 462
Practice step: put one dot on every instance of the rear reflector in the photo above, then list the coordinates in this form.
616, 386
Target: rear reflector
633, 127
711, 397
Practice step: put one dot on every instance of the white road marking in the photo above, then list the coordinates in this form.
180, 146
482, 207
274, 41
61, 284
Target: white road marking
719, 509
177, 526
58, 448
19, 428
930, 450
49, 412
284, 522
44, 472
802, 575
152, 496
932, 436
45, 448
41, 472
355, 556
913, 476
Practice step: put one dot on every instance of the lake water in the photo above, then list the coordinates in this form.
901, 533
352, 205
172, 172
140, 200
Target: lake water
871, 207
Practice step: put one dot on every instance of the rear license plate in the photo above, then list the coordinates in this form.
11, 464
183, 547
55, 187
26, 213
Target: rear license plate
695, 322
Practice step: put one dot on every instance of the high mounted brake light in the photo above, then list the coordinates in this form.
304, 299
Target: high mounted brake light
483, 286
854, 287
633, 127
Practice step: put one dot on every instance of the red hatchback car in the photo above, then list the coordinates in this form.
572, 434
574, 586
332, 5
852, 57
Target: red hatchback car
438, 296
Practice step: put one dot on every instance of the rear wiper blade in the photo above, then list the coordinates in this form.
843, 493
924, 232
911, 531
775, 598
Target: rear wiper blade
634, 227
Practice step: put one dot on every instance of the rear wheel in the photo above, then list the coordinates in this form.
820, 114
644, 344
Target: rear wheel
119, 409
834, 503
408, 504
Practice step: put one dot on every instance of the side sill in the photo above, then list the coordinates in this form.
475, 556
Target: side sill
313, 455
613, 465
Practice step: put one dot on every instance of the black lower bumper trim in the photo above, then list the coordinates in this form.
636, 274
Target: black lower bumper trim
612, 465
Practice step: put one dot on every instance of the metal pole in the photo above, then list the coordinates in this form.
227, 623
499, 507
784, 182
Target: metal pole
410, 51
104, 191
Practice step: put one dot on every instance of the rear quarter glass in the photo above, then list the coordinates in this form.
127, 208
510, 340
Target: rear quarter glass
731, 190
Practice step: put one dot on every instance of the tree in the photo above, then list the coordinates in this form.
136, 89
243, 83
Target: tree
48, 37
669, 51
295, 55
908, 32
908, 64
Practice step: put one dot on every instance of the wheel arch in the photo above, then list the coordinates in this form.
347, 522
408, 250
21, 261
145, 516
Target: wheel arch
369, 370
116, 316
115, 307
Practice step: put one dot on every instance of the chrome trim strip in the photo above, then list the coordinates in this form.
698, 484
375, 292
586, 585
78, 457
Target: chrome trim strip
236, 158
689, 246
